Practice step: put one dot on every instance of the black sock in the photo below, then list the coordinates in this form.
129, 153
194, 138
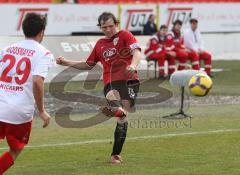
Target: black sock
119, 137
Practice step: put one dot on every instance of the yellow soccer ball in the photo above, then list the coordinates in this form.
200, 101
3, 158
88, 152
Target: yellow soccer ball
200, 84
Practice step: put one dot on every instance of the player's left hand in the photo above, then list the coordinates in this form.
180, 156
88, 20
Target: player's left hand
45, 117
131, 69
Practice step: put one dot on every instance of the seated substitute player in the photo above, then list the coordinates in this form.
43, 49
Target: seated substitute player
23, 67
181, 52
119, 53
160, 47
194, 43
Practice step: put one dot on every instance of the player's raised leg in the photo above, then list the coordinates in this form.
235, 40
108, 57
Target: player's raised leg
115, 107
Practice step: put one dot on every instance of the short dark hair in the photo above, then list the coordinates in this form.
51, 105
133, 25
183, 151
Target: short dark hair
177, 22
163, 27
106, 16
193, 20
33, 24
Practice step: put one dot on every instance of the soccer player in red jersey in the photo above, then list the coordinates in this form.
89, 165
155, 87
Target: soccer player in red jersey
119, 53
160, 47
23, 67
194, 43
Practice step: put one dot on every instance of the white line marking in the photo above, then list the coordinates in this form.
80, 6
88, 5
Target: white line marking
132, 138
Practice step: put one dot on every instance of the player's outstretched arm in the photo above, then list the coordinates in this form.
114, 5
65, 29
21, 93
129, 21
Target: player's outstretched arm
38, 91
135, 61
75, 64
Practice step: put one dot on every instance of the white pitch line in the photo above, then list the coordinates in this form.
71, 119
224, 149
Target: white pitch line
131, 138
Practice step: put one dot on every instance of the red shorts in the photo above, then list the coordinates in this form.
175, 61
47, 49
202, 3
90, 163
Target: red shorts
17, 135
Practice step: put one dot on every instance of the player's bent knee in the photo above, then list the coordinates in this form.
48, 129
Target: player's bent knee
117, 108
113, 95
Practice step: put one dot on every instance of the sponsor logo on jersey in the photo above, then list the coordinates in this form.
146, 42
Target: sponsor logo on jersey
11, 88
110, 53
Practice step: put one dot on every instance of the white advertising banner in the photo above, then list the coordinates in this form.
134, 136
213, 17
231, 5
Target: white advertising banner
133, 17
62, 19
219, 17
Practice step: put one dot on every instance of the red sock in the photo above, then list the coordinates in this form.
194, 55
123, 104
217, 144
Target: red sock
6, 161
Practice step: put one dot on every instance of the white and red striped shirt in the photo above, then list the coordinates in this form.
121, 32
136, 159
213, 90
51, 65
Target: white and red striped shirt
18, 63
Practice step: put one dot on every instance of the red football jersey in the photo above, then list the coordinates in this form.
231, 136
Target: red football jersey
115, 55
178, 40
153, 45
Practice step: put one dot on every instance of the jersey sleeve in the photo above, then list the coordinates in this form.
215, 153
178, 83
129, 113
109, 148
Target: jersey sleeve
43, 64
93, 57
131, 41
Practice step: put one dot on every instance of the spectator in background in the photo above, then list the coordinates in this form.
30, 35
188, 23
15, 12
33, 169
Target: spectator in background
194, 43
150, 28
160, 48
181, 52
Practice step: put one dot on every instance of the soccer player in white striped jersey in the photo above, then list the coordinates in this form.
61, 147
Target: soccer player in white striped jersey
23, 68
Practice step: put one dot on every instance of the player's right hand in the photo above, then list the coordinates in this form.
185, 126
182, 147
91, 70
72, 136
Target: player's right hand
131, 69
61, 61
45, 117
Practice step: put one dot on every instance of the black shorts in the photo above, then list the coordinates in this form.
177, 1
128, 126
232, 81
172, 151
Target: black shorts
127, 89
